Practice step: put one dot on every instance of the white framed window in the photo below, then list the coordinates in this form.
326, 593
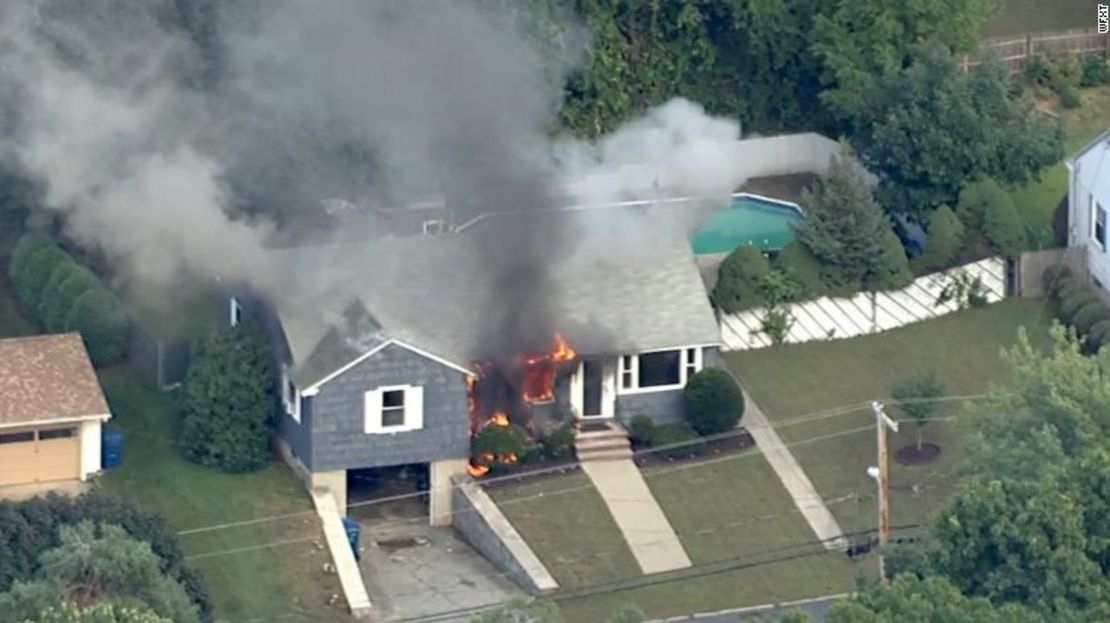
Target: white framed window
434, 226
1098, 224
290, 396
234, 312
393, 409
658, 370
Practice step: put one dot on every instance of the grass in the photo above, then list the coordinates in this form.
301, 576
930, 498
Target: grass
565, 521
727, 514
1036, 201
1017, 17
264, 583
810, 378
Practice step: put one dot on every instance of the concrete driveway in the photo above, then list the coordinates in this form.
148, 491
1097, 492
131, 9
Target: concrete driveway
413, 570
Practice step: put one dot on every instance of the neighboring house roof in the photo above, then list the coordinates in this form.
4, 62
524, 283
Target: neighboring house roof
435, 294
47, 377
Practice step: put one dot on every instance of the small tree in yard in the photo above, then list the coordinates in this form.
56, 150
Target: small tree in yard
916, 397
946, 235
714, 402
230, 403
847, 231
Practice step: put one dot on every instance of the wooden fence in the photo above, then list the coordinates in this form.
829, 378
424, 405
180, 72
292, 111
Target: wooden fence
1015, 52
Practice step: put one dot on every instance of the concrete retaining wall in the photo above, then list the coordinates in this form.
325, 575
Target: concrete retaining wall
350, 577
483, 525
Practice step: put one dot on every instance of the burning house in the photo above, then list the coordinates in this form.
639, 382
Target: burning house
432, 346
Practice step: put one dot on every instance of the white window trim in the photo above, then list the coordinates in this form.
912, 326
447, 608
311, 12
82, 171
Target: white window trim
1095, 208
683, 376
234, 312
372, 410
290, 400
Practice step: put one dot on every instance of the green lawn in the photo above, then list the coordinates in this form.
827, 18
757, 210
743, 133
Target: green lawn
1037, 200
1017, 17
284, 581
809, 378
728, 514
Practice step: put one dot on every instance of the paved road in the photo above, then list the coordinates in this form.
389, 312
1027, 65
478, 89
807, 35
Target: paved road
817, 609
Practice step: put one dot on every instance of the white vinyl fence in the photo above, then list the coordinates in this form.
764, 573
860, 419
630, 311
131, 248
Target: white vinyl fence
837, 318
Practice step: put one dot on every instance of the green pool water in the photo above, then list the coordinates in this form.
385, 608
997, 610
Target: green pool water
748, 220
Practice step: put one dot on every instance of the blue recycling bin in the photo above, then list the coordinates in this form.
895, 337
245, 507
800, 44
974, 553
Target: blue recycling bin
353, 530
111, 449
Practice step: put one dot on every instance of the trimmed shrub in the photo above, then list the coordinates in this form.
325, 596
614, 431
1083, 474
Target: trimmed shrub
559, 443
31, 280
72, 280
1088, 315
1070, 99
677, 441
98, 316
1095, 71
1002, 226
946, 236
1054, 276
1069, 307
714, 402
738, 279
799, 264
1099, 335
1069, 287
640, 429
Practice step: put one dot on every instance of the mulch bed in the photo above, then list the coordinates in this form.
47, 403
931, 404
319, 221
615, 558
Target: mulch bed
732, 444
912, 455
534, 471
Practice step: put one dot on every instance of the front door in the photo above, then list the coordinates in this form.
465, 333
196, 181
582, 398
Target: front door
592, 389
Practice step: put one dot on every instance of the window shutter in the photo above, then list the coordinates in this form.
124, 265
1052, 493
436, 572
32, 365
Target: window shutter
414, 408
372, 411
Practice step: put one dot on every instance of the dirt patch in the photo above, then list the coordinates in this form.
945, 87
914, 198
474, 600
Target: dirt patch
912, 455
731, 444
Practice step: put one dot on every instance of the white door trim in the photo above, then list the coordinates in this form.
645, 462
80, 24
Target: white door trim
608, 390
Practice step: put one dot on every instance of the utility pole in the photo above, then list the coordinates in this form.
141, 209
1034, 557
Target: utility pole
881, 475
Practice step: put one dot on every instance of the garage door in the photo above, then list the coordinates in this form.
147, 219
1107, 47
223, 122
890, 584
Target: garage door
41, 455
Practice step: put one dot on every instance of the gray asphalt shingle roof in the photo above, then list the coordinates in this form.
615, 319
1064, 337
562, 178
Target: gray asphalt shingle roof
435, 293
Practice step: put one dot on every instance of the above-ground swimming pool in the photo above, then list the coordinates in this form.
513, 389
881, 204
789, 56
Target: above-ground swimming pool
748, 220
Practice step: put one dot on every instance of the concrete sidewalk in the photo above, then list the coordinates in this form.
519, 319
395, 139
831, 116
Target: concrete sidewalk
804, 494
649, 535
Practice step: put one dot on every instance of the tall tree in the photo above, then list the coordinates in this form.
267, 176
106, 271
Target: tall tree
928, 129
230, 402
847, 231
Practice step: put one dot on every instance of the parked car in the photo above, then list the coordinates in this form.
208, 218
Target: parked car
911, 233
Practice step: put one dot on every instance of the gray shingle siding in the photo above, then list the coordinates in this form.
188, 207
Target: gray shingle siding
298, 436
338, 439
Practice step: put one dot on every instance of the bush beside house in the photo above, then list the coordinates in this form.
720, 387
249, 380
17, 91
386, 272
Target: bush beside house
62, 295
1078, 305
714, 402
230, 403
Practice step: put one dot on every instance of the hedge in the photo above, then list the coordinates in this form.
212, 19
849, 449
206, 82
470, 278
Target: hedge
1056, 276
738, 279
1090, 314
1070, 306
1099, 335
62, 295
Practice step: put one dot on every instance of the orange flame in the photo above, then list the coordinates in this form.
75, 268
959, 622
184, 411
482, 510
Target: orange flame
477, 471
499, 419
562, 350
539, 371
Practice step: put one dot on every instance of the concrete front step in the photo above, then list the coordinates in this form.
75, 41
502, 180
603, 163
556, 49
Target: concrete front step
608, 454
